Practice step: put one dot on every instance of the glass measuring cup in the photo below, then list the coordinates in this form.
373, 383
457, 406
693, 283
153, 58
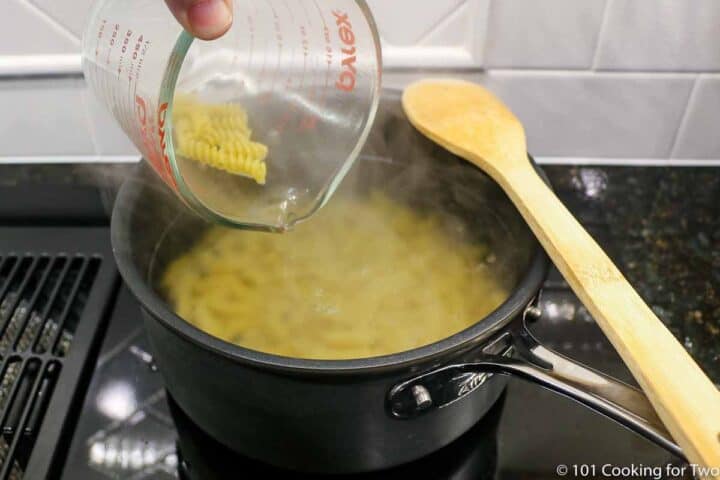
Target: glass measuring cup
256, 128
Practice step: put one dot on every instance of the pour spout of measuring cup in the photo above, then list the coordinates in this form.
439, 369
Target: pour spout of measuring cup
203, 19
256, 128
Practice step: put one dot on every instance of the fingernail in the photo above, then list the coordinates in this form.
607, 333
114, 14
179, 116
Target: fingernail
209, 18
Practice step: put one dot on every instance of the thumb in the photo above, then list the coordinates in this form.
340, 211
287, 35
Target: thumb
204, 19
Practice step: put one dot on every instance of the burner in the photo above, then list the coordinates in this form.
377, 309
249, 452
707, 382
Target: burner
473, 456
130, 430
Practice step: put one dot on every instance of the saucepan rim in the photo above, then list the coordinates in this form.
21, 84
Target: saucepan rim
526, 289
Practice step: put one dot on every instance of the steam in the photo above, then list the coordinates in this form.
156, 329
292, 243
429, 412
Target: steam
412, 169
107, 177
397, 161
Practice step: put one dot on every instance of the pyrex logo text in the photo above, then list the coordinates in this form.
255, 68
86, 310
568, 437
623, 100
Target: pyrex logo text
348, 76
141, 110
162, 113
157, 157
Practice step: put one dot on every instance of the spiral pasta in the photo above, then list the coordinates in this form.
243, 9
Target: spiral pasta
218, 136
364, 278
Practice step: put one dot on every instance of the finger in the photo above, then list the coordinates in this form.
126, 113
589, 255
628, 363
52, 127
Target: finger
204, 19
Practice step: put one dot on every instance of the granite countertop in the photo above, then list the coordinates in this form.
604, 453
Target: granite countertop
662, 228
660, 225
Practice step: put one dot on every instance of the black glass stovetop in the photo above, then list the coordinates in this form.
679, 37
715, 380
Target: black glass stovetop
660, 225
663, 234
130, 429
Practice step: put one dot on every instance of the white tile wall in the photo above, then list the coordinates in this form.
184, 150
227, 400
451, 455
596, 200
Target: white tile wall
582, 115
590, 78
397, 80
71, 14
24, 30
447, 33
699, 135
543, 34
41, 119
587, 115
668, 35
402, 23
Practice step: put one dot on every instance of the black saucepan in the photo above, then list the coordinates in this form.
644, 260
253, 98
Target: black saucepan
366, 414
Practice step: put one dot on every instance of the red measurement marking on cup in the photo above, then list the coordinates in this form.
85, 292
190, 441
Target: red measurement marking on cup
304, 42
348, 75
101, 30
279, 44
328, 46
133, 69
123, 51
113, 39
145, 132
142, 118
157, 158
308, 121
162, 116
311, 122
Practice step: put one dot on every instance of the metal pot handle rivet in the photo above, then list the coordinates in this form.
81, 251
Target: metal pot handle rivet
517, 352
422, 397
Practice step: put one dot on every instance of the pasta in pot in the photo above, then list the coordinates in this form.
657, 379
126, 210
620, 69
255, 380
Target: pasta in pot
364, 278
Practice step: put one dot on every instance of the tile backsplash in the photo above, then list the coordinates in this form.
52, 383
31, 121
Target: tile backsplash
39, 120
661, 35
548, 34
628, 80
48, 38
585, 115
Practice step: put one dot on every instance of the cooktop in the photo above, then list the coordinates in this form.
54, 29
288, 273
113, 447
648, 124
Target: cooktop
130, 429
85, 400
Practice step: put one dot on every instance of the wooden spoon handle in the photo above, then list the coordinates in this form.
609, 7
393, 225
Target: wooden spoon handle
685, 399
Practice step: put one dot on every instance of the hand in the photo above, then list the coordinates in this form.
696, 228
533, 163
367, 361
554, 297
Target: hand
204, 19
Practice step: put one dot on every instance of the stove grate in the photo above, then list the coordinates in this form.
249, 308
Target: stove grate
55, 285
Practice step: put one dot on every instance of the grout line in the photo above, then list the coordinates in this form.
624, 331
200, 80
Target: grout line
62, 159
659, 74
482, 48
601, 34
435, 70
47, 66
711, 71
50, 19
39, 66
449, 58
640, 74
629, 162
609, 162
444, 19
686, 114
596, 74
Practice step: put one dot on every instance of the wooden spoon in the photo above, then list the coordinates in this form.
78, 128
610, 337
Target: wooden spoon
470, 122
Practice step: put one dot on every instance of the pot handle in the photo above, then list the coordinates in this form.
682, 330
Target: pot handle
518, 353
